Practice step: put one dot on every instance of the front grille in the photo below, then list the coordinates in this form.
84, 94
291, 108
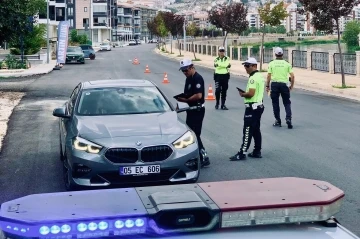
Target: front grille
155, 153
116, 178
122, 155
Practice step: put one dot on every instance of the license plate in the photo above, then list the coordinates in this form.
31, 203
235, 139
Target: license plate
138, 170
73, 61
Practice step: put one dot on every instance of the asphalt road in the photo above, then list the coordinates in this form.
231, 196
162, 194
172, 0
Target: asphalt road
323, 145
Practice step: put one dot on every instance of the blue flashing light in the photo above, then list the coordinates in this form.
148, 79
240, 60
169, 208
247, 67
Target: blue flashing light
139, 222
55, 229
44, 230
103, 225
65, 228
129, 223
92, 226
81, 229
119, 224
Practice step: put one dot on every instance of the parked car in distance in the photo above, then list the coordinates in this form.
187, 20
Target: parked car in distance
89, 51
132, 43
105, 46
75, 54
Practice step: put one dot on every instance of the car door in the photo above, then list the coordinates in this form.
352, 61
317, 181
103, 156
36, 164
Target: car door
66, 122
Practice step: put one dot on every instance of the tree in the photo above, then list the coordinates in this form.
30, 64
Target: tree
325, 17
17, 17
151, 25
351, 34
162, 31
191, 30
174, 24
280, 29
32, 41
229, 17
270, 17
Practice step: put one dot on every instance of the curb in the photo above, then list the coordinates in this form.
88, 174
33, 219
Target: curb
27, 75
332, 92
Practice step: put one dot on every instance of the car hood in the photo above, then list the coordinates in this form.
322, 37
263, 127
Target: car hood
146, 125
74, 54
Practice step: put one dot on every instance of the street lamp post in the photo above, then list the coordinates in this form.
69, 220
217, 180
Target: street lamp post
110, 23
47, 33
184, 25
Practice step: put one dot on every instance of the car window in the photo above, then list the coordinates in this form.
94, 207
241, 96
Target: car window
84, 47
74, 49
73, 98
122, 101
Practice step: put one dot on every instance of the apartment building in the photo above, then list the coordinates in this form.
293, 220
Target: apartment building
201, 20
132, 21
57, 13
253, 18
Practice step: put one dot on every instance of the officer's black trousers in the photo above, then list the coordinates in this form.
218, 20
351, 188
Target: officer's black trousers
194, 119
221, 87
252, 118
282, 89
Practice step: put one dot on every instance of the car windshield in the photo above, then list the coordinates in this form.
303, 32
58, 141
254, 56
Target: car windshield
74, 49
122, 101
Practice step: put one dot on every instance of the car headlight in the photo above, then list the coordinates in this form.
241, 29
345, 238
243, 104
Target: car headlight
187, 139
87, 146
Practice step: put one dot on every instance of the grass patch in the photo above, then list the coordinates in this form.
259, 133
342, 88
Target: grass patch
180, 55
344, 87
197, 59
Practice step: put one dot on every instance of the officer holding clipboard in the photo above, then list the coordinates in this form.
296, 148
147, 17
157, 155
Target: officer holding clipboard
254, 108
194, 95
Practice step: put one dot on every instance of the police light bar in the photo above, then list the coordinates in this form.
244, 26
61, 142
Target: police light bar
161, 210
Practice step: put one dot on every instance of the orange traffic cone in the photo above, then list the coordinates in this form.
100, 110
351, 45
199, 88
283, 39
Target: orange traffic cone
147, 69
136, 61
210, 95
165, 81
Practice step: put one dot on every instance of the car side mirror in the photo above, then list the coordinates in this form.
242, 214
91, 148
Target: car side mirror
60, 112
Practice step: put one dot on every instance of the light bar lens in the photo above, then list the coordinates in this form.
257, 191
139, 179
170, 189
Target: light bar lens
90, 229
279, 215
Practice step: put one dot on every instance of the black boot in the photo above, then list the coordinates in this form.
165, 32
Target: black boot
239, 156
205, 161
289, 124
255, 154
277, 123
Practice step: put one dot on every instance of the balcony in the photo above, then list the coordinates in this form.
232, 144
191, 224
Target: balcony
97, 14
96, 24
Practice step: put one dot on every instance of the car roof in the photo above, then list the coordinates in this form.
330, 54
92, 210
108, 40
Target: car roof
117, 83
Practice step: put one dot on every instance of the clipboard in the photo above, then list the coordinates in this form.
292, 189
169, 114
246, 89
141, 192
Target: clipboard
240, 90
182, 95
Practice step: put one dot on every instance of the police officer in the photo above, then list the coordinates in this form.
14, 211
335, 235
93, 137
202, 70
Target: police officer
254, 108
278, 73
195, 96
221, 77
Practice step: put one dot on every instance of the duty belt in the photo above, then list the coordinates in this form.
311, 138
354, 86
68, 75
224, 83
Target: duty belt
254, 105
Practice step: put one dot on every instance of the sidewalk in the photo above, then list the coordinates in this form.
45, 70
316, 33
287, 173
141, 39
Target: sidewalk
35, 70
304, 79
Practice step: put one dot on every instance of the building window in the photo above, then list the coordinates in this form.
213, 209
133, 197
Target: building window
85, 22
70, 11
85, 9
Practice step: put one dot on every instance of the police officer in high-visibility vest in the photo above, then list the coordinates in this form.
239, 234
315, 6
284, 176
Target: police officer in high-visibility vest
278, 73
254, 108
221, 77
